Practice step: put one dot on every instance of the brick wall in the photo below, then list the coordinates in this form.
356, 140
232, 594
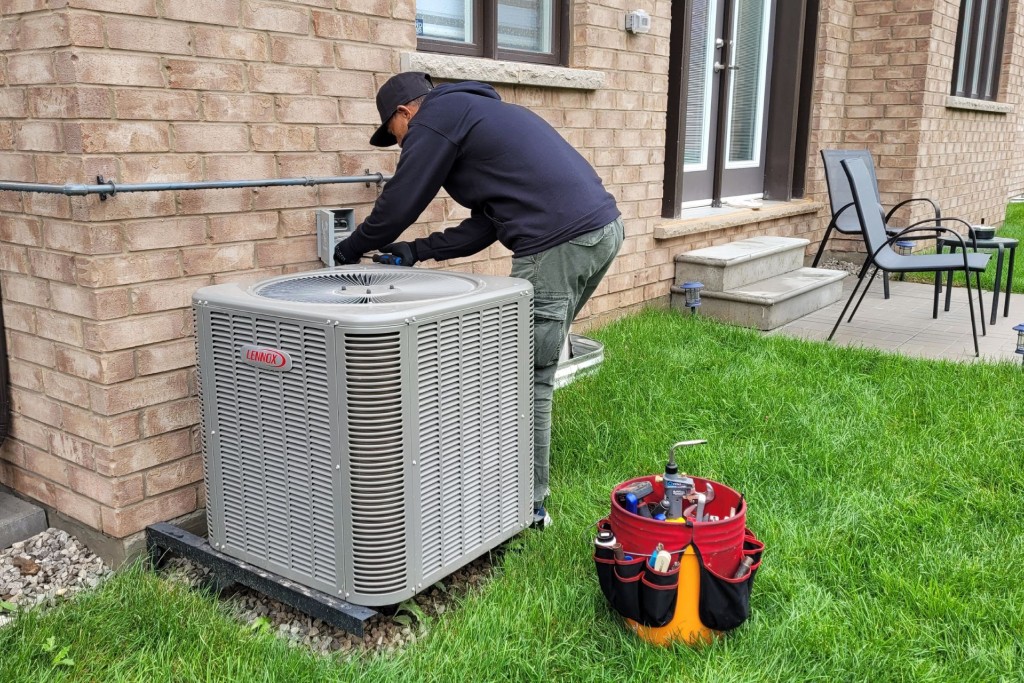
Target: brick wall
96, 294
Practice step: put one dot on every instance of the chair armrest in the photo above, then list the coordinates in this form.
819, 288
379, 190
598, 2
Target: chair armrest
938, 214
930, 221
935, 229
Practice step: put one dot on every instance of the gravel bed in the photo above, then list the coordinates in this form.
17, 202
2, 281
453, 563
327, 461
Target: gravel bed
46, 568
835, 264
53, 565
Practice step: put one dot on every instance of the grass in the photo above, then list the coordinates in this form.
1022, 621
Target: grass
888, 491
1012, 227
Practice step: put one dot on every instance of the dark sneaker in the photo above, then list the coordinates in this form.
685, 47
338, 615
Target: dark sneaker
541, 519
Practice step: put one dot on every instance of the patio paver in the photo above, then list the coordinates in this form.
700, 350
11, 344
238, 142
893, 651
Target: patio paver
903, 324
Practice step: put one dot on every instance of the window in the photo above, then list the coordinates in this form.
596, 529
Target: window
979, 49
517, 30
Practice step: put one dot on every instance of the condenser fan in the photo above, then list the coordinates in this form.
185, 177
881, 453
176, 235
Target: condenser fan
371, 286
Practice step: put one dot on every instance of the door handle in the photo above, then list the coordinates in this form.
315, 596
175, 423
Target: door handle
722, 67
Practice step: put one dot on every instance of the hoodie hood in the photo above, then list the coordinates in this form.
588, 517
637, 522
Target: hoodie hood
469, 87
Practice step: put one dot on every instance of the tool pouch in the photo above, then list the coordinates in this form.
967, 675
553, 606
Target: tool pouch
724, 601
636, 590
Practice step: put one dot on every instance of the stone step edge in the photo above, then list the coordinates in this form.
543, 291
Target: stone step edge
819, 277
792, 244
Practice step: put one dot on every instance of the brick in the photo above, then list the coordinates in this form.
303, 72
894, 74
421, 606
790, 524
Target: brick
280, 79
142, 455
155, 104
345, 84
165, 233
26, 290
116, 69
294, 250
217, 201
17, 167
66, 389
243, 108
85, 30
25, 375
42, 31
108, 271
314, 165
137, 393
224, 12
256, 226
240, 166
366, 58
13, 104
223, 44
30, 69
36, 406
376, 7
30, 348
203, 75
217, 259
53, 205
174, 476
168, 417
59, 327
359, 112
145, 8
339, 139
39, 136
282, 197
166, 357
52, 102
77, 507
50, 265
21, 230
279, 138
399, 34
163, 296
113, 137
81, 238
125, 521
33, 433
306, 110
148, 36
103, 368
102, 304
210, 137
115, 492
161, 168
275, 18
19, 317
33, 486
14, 259
340, 26
302, 51
46, 465
132, 332
108, 431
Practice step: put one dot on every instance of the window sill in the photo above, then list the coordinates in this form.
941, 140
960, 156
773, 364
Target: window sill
953, 102
458, 68
741, 216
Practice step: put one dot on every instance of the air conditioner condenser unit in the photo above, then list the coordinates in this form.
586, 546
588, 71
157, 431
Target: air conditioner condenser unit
367, 430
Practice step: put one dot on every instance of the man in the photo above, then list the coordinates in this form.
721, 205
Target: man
526, 187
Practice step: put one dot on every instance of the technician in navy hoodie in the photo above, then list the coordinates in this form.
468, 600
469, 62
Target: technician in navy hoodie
525, 186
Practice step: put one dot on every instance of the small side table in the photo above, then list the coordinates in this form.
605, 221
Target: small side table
1001, 245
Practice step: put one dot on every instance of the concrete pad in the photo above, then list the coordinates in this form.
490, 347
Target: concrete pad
19, 520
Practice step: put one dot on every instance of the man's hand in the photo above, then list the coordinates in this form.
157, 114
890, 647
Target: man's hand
404, 250
344, 256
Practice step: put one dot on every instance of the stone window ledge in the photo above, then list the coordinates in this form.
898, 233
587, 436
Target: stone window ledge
768, 211
969, 104
459, 68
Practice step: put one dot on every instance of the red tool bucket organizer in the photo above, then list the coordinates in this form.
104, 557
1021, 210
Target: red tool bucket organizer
700, 594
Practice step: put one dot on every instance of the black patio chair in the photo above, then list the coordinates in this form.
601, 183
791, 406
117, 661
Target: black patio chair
840, 199
882, 256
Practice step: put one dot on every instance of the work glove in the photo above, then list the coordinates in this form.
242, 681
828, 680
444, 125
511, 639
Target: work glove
406, 251
344, 256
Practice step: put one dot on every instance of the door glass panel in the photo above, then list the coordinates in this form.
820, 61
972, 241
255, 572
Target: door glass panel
525, 25
746, 96
445, 20
699, 78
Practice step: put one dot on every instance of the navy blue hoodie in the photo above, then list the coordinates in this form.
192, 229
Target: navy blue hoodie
524, 184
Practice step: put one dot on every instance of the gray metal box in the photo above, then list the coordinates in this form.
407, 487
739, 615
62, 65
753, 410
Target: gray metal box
367, 430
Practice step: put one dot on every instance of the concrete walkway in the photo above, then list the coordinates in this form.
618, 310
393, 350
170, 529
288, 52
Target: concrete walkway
903, 324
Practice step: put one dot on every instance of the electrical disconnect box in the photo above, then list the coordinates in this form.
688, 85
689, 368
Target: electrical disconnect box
332, 226
638, 21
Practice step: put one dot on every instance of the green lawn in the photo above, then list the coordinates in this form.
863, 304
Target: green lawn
888, 491
1013, 227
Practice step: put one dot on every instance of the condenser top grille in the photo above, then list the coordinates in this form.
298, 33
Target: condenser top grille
376, 286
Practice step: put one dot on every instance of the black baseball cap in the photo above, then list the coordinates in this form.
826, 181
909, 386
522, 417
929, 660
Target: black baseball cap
398, 90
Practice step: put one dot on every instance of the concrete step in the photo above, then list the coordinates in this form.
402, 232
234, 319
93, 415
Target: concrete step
728, 266
771, 302
18, 520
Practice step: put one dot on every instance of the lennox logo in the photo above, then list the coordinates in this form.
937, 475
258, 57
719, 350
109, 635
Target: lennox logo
268, 359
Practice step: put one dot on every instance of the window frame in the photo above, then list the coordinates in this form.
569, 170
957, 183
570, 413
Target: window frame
978, 55
485, 37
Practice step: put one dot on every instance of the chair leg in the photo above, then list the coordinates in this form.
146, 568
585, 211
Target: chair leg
885, 284
970, 304
821, 246
860, 278
981, 304
864, 293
